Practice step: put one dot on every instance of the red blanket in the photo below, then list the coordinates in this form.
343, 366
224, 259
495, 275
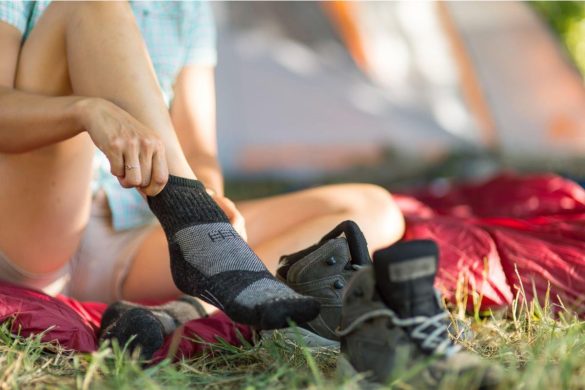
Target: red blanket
494, 236
504, 234
74, 324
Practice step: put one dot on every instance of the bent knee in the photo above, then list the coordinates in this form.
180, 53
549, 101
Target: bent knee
379, 214
88, 13
97, 7
379, 201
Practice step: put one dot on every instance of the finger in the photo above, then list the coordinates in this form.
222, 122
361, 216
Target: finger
228, 202
117, 165
237, 217
145, 158
159, 173
237, 220
132, 175
240, 227
234, 214
225, 206
243, 233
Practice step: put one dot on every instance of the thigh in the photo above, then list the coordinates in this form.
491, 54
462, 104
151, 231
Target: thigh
45, 194
104, 257
268, 218
149, 276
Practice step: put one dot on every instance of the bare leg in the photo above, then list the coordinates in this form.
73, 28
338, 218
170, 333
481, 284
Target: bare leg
129, 80
72, 50
288, 223
277, 226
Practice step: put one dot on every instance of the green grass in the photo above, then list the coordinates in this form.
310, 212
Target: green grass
539, 350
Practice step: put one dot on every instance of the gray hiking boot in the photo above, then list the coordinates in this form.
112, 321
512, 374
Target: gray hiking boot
370, 343
394, 327
322, 271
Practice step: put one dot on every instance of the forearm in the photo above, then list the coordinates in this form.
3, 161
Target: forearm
29, 121
193, 115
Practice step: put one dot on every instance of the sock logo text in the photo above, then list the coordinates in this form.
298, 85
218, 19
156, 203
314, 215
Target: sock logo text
222, 234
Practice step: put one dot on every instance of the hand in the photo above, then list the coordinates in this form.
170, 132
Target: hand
136, 153
229, 208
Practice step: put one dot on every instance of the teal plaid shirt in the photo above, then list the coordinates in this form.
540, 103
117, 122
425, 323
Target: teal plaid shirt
177, 34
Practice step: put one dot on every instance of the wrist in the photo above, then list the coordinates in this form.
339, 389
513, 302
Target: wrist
84, 110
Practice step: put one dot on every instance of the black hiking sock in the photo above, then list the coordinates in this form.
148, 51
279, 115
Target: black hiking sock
211, 261
171, 315
147, 326
136, 328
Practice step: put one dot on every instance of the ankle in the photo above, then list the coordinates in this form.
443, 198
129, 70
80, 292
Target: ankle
177, 163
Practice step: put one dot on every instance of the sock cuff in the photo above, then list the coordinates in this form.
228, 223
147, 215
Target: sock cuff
184, 182
184, 202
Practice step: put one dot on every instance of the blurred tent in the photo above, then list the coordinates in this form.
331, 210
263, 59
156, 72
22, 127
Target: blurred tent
535, 94
309, 88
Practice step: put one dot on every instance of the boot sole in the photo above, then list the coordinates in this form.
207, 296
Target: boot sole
304, 337
344, 372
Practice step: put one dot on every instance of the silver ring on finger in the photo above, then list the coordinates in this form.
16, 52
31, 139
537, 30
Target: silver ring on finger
131, 167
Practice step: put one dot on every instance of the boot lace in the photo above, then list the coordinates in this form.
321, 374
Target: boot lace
430, 333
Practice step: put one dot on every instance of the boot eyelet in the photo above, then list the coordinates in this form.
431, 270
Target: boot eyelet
338, 284
358, 293
331, 261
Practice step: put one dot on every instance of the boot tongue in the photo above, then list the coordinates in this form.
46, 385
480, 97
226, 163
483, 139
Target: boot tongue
287, 261
355, 242
405, 274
